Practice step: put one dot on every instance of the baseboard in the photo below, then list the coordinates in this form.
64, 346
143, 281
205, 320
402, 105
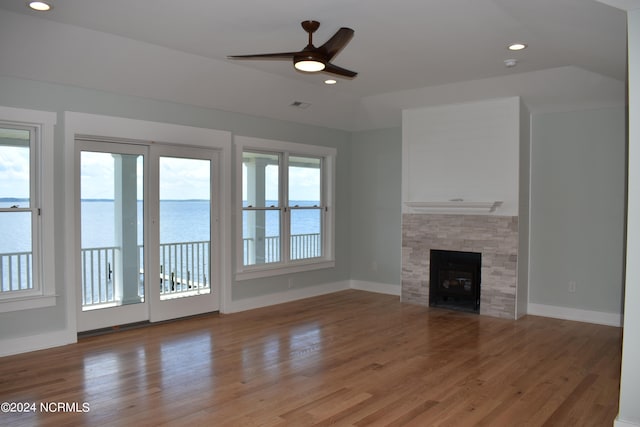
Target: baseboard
11, 346
381, 288
566, 313
288, 296
620, 423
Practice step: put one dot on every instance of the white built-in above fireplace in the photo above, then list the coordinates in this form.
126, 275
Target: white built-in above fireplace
465, 189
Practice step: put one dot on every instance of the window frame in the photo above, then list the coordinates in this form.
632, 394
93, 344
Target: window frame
43, 293
284, 150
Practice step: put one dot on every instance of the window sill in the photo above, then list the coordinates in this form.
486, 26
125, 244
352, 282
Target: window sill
264, 271
27, 303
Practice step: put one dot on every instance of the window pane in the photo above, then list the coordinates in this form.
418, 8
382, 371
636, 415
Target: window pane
304, 191
16, 260
306, 241
15, 167
304, 181
261, 236
260, 179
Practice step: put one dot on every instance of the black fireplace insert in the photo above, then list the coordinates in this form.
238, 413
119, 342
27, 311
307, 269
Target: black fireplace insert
454, 280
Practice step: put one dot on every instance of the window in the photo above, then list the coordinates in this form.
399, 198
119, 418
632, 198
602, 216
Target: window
26, 243
287, 207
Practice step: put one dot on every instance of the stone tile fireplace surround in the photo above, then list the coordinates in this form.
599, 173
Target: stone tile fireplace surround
495, 237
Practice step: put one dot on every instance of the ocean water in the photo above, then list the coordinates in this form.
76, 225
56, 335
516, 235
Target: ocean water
181, 221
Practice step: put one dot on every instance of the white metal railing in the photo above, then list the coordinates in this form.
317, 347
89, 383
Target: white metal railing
305, 246
302, 246
97, 274
184, 267
16, 271
184, 270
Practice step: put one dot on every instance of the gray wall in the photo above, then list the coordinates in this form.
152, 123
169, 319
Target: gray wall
375, 196
577, 198
577, 209
20, 93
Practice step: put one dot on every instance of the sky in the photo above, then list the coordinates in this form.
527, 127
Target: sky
304, 183
181, 179
14, 172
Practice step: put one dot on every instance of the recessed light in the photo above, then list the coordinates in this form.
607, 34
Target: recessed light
330, 82
517, 46
40, 6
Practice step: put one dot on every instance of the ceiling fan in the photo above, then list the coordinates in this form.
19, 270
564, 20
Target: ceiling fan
313, 59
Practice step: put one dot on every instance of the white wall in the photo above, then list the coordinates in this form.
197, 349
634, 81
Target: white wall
630, 380
463, 151
522, 295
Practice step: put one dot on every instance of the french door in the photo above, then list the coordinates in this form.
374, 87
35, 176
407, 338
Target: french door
148, 233
185, 223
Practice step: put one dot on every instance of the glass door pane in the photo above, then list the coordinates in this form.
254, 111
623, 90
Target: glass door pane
184, 232
112, 230
185, 227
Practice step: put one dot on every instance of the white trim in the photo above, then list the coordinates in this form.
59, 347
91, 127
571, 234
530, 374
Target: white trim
621, 423
269, 271
28, 116
27, 303
275, 145
452, 207
380, 288
10, 346
328, 154
130, 129
566, 313
288, 296
44, 122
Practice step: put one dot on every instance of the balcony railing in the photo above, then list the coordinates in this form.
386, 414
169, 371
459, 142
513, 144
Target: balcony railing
16, 271
302, 246
97, 274
184, 270
184, 267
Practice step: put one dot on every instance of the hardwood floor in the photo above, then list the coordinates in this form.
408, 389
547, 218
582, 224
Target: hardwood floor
349, 359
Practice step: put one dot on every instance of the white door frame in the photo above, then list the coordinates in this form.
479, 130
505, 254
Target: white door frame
197, 304
119, 129
129, 313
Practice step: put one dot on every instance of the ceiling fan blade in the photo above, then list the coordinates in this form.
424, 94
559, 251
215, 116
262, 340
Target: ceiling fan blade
334, 69
281, 55
336, 43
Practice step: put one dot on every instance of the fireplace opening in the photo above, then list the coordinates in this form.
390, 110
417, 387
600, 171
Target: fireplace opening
454, 280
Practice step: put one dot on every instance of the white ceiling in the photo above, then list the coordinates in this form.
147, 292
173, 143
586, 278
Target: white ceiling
408, 53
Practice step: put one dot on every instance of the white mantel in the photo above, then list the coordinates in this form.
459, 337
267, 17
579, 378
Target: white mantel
461, 207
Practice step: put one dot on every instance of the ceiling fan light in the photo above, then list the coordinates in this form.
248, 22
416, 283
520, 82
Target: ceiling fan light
309, 65
40, 6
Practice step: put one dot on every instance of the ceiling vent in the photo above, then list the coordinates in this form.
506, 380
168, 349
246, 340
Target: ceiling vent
300, 104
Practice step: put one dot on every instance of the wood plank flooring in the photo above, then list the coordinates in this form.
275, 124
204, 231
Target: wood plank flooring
348, 359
